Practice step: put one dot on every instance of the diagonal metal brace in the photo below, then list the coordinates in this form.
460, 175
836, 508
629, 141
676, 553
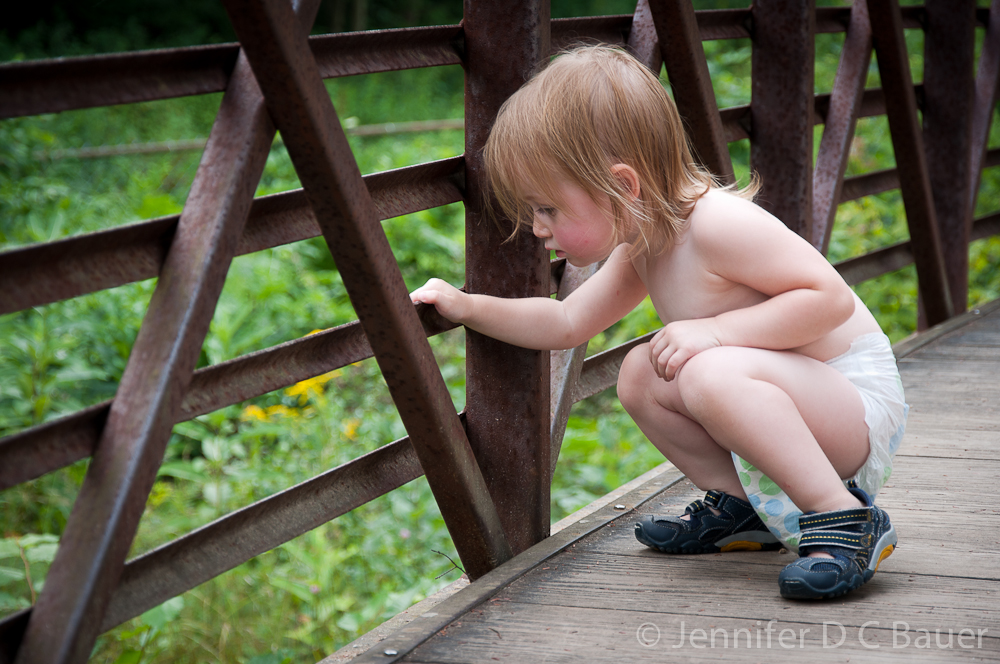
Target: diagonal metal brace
301, 109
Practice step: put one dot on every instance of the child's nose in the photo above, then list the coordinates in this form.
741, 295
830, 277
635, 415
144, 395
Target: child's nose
539, 229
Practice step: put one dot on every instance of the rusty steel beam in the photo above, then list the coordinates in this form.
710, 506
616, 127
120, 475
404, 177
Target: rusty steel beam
840, 119
67, 617
507, 388
875, 263
601, 371
51, 86
194, 558
643, 42
949, 93
894, 257
911, 160
301, 108
869, 184
565, 366
567, 32
736, 119
987, 80
53, 271
781, 107
41, 449
682, 52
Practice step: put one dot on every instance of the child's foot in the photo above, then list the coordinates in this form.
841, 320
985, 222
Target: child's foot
858, 540
720, 522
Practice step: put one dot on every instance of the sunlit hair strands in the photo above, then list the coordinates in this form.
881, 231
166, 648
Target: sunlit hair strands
591, 108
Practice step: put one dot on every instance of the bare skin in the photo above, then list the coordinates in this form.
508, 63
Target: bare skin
751, 313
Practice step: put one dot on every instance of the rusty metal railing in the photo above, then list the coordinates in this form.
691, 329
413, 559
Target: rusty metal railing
489, 467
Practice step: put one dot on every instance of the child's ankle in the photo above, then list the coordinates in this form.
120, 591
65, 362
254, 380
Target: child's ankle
846, 501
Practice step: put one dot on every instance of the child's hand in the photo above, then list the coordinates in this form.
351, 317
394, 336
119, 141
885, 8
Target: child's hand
678, 342
450, 302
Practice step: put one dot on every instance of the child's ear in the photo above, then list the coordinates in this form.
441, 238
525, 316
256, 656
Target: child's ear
628, 177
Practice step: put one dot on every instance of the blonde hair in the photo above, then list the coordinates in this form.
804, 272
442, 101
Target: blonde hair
591, 108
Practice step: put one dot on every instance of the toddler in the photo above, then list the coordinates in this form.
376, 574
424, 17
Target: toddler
770, 386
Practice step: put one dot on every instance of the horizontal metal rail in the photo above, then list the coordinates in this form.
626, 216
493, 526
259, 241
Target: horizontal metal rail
46, 447
736, 119
41, 449
51, 86
53, 271
197, 144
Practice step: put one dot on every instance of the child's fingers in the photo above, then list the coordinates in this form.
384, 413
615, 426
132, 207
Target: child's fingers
677, 360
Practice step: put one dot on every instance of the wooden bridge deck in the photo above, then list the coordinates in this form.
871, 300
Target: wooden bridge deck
591, 593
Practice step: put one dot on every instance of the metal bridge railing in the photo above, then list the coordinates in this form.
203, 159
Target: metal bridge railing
489, 467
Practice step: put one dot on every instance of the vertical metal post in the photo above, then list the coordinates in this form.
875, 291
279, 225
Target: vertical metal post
565, 365
781, 108
841, 119
987, 79
507, 388
911, 160
949, 89
682, 52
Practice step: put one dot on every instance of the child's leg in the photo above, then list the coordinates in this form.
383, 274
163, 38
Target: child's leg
796, 419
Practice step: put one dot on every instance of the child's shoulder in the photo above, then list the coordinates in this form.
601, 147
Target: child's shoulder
726, 224
722, 211
725, 203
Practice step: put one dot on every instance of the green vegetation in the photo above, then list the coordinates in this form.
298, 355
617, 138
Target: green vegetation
318, 592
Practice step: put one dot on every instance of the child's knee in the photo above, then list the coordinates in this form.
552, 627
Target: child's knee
633, 379
706, 376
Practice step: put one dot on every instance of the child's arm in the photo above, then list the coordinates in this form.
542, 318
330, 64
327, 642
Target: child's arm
741, 243
539, 322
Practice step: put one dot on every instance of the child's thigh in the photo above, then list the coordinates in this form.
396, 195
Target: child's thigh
825, 399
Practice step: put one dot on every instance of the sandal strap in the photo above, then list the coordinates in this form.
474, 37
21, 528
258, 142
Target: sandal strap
826, 520
838, 538
713, 498
696, 506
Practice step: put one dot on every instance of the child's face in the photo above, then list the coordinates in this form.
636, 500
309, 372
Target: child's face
579, 229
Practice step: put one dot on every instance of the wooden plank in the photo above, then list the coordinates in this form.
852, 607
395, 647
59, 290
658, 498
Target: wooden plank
911, 344
566, 627
927, 440
412, 635
744, 585
959, 353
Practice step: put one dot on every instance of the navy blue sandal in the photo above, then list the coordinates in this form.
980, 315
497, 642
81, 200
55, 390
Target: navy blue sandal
736, 528
859, 539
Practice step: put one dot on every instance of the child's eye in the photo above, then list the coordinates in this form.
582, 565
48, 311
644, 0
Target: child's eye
545, 211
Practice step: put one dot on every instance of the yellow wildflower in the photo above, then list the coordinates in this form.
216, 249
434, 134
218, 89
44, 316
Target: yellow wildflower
252, 412
351, 428
280, 410
311, 387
